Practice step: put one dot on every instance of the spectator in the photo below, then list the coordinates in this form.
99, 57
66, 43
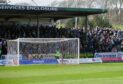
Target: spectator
95, 40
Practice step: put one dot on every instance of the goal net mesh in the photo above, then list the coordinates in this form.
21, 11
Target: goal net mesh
44, 50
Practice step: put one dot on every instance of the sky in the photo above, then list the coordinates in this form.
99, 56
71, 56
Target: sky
39, 2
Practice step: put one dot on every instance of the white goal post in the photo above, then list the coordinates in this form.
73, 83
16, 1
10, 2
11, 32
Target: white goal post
44, 50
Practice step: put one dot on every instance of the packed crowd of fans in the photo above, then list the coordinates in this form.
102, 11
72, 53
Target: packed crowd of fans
94, 40
3, 48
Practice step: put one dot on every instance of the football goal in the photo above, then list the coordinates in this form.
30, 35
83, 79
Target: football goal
43, 51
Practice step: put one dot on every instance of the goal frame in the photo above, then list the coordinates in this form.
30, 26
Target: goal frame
19, 40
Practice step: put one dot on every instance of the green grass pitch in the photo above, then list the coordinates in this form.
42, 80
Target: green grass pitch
107, 73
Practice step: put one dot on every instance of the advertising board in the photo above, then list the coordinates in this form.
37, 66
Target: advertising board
90, 60
106, 55
118, 59
40, 61
67, 61
7, 62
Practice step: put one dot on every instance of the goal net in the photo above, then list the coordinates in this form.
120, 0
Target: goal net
44, 50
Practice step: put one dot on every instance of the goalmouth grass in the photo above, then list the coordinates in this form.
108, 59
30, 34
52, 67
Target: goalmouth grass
107, 73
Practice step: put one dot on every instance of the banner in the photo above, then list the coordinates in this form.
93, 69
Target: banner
106, 55
122, 58
40, 61
67, 61
97, 60
90, 60
7, 62
26, 8
120, 54
119, 59
1, 62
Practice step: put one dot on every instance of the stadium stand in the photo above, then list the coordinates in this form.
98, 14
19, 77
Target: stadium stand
107, 38
3, 48
93, 40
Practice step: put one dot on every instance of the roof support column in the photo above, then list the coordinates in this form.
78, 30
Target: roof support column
76, 22
86, 30
86, 23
